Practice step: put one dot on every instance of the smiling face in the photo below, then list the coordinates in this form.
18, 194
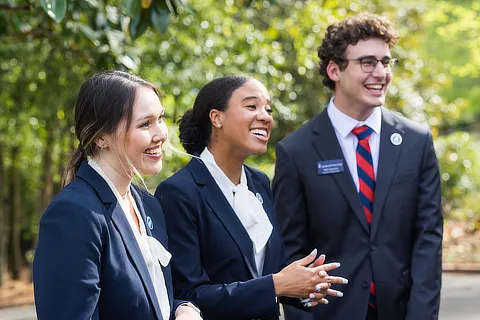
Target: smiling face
142, 145
358, 92
246, 124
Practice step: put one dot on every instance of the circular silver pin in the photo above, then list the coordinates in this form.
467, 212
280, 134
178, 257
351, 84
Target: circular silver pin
149, 223
396, 139
259, 197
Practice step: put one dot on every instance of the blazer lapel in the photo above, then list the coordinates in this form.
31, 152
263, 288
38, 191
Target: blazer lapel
121, 223
224, 211
253, 186
326, 143
387, 162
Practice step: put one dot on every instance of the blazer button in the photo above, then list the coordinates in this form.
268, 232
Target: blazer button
365, 284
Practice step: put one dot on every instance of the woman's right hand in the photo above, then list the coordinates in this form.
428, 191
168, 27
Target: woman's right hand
303, 277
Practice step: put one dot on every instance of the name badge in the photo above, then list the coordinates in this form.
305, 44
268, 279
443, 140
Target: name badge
330, 166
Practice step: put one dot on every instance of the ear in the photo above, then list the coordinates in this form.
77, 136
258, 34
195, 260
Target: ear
216, 117
101, 143
333, 71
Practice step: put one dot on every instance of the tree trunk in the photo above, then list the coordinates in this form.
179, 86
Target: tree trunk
46, 193
14, 248
3, 229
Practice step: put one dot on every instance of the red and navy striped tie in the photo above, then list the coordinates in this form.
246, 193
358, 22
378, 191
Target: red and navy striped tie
366, 178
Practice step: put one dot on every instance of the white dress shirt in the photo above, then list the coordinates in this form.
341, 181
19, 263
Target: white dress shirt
246, 205
344, 125
152, 250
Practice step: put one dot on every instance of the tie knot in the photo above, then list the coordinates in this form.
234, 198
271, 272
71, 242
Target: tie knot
363, 132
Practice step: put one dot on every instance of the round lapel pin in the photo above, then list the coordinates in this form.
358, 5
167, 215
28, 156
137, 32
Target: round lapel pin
396, 139
259, 197
149, 223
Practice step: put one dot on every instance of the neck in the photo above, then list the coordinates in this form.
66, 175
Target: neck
230, 164
119, 178
356, 112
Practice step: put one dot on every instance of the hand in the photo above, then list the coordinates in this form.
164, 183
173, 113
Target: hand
185, 312
299, 279
322, 289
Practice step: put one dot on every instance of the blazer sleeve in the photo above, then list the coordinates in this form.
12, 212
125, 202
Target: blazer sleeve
426, 267
66, 267
236, 300
290, 206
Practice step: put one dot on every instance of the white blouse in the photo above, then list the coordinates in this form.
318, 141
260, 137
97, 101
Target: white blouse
152, 250
247, 206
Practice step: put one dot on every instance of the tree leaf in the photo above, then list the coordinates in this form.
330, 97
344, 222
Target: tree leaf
138, 25
160, 20
133, 7
55, 9
115, 40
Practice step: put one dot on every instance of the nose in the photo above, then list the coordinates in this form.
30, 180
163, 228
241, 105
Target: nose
160, 133
379, 71
264, 116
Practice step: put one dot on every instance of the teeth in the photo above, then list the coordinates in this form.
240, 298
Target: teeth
260, 132
374, 86
154, 151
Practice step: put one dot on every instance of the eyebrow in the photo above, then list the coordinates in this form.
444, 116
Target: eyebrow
147, 117
371, 56
269, 102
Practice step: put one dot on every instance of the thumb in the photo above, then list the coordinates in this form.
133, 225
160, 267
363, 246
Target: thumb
308, 259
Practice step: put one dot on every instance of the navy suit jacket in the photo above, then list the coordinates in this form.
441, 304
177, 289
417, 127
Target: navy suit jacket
87, 263
213, 261
400, 251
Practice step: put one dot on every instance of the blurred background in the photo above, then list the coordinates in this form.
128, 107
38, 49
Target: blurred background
47, 49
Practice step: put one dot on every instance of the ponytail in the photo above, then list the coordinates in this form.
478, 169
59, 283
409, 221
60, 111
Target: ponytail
73, 165
192, 136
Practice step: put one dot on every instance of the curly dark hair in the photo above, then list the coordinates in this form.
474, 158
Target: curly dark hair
349, 31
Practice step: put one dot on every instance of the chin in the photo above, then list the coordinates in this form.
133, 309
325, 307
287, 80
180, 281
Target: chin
151, 170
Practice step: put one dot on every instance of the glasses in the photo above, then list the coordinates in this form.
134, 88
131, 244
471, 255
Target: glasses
368, 64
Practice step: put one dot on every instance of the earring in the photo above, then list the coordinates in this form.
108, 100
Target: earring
219, 125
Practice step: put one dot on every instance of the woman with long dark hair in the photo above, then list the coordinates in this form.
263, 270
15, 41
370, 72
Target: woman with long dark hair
101, 253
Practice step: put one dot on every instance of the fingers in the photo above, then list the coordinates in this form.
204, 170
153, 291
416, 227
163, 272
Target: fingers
320, 261
308, 259
334, 279
313, 300
321, 287
329, 266
333, 293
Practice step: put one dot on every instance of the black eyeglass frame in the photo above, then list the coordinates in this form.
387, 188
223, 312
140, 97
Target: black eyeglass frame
391, 64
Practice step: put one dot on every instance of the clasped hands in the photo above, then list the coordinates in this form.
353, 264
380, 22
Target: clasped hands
309, 280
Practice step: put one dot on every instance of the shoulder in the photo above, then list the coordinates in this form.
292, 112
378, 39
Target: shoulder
258, 175
406, 125
76, 205
181, 180
77, 195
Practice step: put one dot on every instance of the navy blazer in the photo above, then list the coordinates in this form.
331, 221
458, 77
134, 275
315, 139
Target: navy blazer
87, 263
213, 261
400, 251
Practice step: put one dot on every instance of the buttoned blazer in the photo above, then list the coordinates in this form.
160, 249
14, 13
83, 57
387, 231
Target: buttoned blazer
401, 249
87, 263
213, 261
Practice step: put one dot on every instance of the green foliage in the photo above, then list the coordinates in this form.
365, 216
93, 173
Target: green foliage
44, 61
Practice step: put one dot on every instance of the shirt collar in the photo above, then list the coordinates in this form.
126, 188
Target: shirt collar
217, 173
344, 124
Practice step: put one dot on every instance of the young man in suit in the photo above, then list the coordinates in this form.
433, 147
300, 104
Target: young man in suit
361, 183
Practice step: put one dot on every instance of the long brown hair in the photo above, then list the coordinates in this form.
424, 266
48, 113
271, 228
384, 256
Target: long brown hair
104, 100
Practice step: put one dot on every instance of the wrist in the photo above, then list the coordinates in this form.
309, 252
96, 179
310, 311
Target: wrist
278, 284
